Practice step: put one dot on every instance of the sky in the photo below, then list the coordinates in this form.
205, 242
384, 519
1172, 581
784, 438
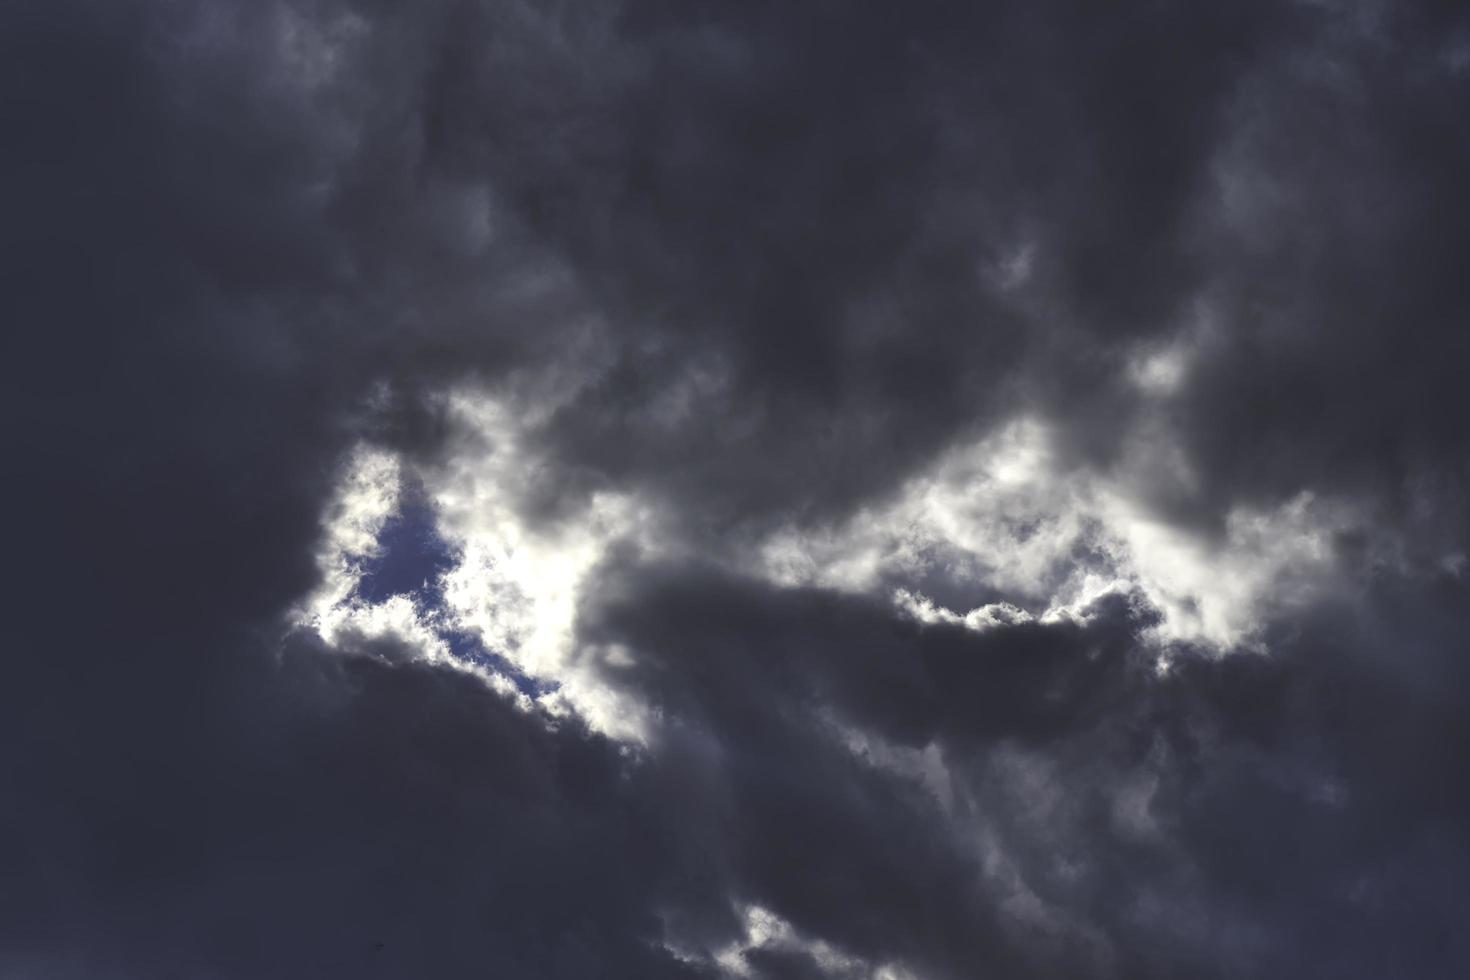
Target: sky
764, 490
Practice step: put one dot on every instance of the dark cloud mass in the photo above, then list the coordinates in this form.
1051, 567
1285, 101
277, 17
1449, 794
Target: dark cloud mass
899, 491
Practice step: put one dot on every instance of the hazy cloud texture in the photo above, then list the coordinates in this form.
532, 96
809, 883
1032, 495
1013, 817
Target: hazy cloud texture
765, 490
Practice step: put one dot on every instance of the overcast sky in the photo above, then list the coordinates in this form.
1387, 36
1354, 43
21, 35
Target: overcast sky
767, 489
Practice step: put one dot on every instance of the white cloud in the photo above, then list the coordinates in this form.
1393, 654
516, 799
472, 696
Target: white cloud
517, 582
1003, 515
766, 931
368, 495
514, 583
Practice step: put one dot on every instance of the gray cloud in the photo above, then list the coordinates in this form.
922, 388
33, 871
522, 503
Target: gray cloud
753, 269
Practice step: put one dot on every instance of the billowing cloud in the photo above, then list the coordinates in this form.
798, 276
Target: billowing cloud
764, 490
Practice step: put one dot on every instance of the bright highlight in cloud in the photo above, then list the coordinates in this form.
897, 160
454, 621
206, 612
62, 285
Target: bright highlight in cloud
513, 583
1004, 516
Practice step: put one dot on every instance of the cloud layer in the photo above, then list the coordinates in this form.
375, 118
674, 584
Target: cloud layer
761, 490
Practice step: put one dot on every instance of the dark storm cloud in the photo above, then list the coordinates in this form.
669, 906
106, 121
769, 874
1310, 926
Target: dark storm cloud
1336, 255
241, 238
1300, 814
190, 331
773, 676
822, 201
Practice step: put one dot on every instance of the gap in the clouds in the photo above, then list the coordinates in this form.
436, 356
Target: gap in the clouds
411, 555
411, 560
